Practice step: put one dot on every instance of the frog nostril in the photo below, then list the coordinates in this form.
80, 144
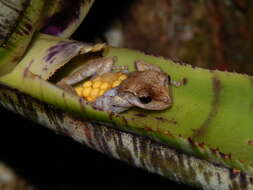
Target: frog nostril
145, 99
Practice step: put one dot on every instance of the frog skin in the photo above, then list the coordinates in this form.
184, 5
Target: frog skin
148, 87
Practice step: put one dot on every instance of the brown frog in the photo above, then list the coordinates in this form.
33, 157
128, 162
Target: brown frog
148, 87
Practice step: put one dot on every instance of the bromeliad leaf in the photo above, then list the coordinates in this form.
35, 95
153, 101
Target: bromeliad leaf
203, 120
48, 54
18, 22
20, 19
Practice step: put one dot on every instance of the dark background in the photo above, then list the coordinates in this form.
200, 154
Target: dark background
51, 161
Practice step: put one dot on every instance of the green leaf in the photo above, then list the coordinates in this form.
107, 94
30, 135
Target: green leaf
210, 118
25, 19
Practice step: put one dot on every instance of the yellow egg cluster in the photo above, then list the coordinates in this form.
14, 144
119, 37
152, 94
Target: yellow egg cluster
92, 89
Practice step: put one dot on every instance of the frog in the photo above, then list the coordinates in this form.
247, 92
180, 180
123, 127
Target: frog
148, 87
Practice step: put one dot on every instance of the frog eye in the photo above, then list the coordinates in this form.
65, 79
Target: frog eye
145, 99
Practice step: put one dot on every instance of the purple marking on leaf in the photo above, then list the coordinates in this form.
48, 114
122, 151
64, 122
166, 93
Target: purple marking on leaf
68, 13
62, 48
54, 30
52, 60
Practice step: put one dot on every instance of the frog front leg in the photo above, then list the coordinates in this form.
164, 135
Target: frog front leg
94, 67
112, 101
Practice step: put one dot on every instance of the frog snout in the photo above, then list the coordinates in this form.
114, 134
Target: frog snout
165, 99
163, 95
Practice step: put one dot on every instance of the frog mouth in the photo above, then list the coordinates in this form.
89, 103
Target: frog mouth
155, 105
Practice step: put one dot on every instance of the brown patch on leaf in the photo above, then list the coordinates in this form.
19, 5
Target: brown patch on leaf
184, 81
140, 115
235, 171
89, 136
162, 119
250, 142
27, 69
217, 87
